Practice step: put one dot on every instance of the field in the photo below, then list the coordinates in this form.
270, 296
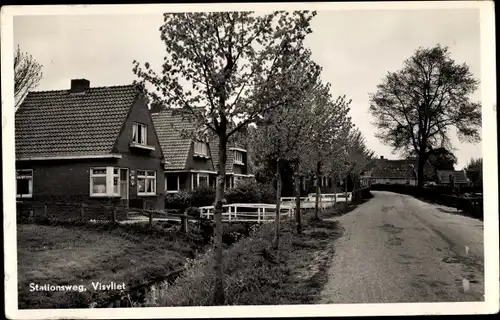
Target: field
83, 254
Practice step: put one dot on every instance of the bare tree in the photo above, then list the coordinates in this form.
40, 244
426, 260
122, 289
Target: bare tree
27, 75
416, 106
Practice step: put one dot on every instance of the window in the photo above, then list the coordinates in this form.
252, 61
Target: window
199, 180
238, 157
200, 149
24, 183
139, 133
146, 183
104, 182
172, 183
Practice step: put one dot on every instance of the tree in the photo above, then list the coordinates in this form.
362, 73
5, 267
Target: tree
442, 159
415, 107
282, 130
358, 157
327, 136
474, 171
27, 75
222, 69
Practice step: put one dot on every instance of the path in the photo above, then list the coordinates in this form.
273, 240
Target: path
396, 248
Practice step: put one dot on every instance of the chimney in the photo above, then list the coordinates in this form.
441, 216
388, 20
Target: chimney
382, 157
79, 85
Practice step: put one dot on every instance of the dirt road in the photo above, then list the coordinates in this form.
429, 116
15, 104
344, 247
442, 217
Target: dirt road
396, 248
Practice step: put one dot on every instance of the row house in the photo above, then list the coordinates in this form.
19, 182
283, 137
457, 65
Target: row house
94, 144
192, 162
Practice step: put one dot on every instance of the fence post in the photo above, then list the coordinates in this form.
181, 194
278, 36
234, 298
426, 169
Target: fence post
82, 217
184, 222
229, 214
236, 212
45, 211
150, 212
258, 214
113, 213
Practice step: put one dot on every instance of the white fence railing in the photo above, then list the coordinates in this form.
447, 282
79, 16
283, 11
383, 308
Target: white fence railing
326, 200
248, 212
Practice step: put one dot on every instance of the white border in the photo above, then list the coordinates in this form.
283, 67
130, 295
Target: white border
488, 80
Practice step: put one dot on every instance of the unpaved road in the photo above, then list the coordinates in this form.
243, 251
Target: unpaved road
396, 248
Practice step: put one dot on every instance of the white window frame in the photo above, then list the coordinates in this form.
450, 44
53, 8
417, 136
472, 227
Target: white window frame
238, 157
136, 127
178, 185
28, 177
148, 175
198, 175
201, 148
109, 176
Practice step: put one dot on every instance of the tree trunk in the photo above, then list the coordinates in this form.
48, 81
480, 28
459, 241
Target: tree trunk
278, 205
420, 171
318, 191
334, 191
219, 297
298, 217
346, 194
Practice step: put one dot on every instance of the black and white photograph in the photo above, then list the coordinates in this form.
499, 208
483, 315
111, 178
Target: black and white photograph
249, 159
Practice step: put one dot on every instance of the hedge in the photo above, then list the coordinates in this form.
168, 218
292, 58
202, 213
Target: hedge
245, 192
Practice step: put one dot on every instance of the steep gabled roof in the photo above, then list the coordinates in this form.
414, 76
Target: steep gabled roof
458, 176
64, 123
214, 149
172, 132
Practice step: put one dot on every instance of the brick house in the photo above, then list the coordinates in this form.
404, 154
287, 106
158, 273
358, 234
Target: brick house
237, 162
88, 144
188, 164
191, 162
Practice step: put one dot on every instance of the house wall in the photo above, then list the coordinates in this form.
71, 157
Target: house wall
197, 163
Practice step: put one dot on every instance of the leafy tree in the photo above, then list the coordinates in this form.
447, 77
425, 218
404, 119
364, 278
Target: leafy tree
415, 107
327, 137
442, 159
358, 157
474, 171
283, 130
222, 69
27, 75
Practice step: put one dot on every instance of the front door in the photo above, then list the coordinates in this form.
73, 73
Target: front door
124, 186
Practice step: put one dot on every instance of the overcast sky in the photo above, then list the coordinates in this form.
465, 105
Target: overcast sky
355, 48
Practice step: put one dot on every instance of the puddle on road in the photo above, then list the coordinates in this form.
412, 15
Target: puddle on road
390, 228
395, 241
451, 260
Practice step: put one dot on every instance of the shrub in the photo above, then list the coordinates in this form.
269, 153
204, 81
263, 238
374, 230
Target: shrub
179, 201
202, 196
251, 192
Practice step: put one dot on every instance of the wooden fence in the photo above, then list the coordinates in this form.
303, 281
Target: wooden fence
28, 211
248, 212
326, 200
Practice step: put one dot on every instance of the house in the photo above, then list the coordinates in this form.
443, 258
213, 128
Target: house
188, 164
400, 171
89, 144
237, 162
452, 177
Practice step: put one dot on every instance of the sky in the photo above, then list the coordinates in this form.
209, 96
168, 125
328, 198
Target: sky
355, 48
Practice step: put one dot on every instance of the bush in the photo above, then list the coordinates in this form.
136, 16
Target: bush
178, 201
251, 192
202, 196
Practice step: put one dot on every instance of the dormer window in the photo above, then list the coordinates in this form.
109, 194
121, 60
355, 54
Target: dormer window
200, 149
238, 157
139, 133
